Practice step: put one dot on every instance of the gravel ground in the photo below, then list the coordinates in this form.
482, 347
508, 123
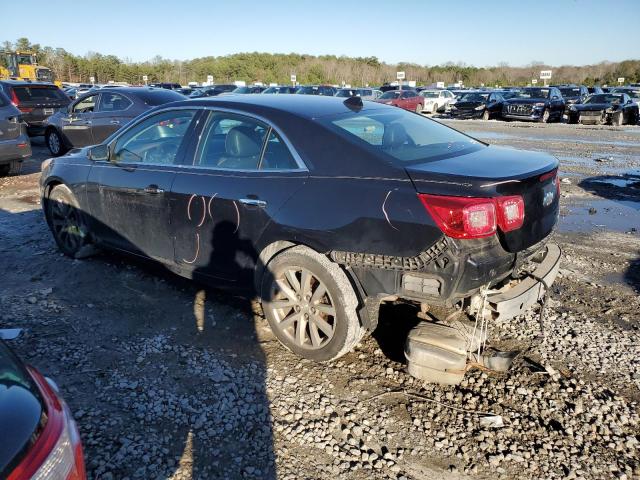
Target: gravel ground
171, 380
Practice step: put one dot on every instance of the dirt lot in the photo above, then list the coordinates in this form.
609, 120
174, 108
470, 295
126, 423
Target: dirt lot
169, 380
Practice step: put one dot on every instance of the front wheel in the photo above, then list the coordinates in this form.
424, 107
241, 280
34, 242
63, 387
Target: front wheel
545, 116
486, 115
55, 143
419, 108
65, 221
311, 305
617, 119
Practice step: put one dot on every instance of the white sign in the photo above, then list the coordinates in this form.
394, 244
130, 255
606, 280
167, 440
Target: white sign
545, 74
439, 84
209, 78
400, 75
621, 80
92, 79
534, 81
294, 78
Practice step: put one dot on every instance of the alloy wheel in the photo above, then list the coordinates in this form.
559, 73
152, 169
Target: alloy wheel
53, 142
66, 224
303, 309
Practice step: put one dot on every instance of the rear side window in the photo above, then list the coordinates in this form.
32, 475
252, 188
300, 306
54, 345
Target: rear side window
276, 155
38, 94
113, 102
155, 140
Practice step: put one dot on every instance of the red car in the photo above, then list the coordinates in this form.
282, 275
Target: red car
407, 99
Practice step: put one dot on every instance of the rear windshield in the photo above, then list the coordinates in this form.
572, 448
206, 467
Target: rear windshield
570, 92
532, 93
474, 97
628, 91
38, 94
405, 136
159, 97
605, 98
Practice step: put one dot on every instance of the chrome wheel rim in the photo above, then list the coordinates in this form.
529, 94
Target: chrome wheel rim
54, 143
66, 225
303, 309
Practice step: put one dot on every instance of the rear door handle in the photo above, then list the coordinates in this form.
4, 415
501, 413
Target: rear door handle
153, 190
253, 202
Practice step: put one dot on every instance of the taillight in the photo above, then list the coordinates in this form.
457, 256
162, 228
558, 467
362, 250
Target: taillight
25, 109
465, 217
510, 212
462, 217
14, 98
57, 452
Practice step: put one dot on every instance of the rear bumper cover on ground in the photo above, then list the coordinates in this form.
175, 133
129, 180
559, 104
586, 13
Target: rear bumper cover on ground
512, 300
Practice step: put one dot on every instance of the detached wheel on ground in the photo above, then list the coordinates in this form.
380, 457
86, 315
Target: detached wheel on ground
55, 143
12, 168
311, 305
65, 221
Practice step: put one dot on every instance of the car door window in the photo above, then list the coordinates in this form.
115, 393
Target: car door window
276, 155
231, 142
86, 105
113, 102
155, 140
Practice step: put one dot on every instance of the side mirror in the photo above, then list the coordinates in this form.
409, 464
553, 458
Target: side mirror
555, 97
99, 153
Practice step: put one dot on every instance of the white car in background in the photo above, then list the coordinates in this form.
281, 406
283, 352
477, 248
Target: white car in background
436, 100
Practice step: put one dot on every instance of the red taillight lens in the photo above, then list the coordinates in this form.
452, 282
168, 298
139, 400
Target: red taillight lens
462, 217
25, 109
510, 212
57, 452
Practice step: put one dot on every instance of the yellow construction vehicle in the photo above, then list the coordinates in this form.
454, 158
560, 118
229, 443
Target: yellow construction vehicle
23, 65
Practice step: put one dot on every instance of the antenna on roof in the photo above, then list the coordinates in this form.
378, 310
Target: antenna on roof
354, 103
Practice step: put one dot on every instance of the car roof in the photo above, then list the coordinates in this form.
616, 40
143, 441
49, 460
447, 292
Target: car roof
305, 106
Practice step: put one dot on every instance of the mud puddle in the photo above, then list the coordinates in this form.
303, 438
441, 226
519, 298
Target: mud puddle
604, 214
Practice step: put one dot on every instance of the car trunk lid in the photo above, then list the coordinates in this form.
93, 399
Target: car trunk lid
491, 172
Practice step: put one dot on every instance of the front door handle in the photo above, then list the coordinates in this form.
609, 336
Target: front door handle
153, 190
115, 122
253, 202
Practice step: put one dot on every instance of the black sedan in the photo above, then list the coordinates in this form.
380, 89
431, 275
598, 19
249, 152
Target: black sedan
96, 115
600, 109
39, 436
539, 104
484, 105
323, 207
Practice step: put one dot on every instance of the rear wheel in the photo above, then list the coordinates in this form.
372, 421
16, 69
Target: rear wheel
434, 110
11, 168
55, 143
311, 305
65, 220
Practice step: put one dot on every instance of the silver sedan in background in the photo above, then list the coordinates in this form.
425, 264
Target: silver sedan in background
14, 141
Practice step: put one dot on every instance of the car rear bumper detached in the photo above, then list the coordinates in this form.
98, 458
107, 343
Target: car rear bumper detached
514, 299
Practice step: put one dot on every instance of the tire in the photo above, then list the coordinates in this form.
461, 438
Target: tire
486, 115
617, 120
12, 168
66, 221
55, 143
318, 334
419, 108
434, 109
545, 116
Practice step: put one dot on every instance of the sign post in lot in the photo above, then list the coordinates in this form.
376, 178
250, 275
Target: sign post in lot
145, 78
209, 79
92, 80
621, 80
400, 77
545, 75
534, 81
294, 79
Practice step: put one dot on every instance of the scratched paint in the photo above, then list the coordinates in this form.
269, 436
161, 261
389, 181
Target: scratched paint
384, 210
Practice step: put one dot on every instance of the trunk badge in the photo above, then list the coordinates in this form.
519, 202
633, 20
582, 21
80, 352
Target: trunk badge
548, 198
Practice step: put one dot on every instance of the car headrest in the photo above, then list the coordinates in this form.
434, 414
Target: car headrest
241, 142
394, 136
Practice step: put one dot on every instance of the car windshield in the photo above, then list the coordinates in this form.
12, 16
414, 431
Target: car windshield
346, 93
570, 92
390, 95
532, 93
197, 93
628, 91
242, 90
605, 98
309, 90
406, 137
474, 97
509, 94
38, 94
430, 94
278, 90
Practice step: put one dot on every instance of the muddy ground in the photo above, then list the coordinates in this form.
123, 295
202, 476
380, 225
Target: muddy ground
170, 380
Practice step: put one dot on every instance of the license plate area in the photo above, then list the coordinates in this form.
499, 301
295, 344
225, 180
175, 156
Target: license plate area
48, 111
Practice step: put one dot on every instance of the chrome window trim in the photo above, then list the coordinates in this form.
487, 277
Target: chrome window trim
296, 156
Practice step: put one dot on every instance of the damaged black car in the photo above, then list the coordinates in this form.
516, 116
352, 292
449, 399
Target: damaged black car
605, 108
484, 105
321, 207
538, 104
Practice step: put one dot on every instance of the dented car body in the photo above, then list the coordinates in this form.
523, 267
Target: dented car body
398, 206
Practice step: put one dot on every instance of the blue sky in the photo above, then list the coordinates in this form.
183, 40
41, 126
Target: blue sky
427, 32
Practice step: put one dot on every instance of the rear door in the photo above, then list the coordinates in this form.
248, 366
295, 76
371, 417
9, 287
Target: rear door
243, 171
76, 124
114, 110
129, 194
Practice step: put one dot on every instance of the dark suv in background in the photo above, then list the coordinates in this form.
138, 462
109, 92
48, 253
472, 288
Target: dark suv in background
538, 104
36, 100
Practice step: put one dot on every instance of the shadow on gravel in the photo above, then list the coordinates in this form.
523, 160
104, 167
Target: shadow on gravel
177, 365
394, 324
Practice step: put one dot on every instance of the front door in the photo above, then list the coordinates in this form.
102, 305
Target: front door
242, 174
76, 124
129, 194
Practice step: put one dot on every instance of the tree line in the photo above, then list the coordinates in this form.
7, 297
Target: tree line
309, 69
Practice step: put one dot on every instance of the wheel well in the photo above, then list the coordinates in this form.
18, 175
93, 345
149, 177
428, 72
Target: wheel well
265, 256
